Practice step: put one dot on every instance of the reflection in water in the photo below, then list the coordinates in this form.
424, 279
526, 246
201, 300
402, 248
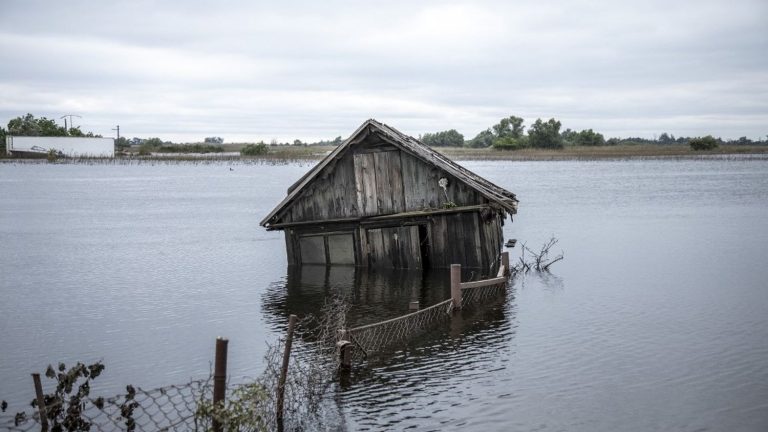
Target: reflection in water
374, 294
429, 369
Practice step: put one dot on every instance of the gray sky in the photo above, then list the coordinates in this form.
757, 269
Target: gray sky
250, 70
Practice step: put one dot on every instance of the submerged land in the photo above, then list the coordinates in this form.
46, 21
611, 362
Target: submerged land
641, 151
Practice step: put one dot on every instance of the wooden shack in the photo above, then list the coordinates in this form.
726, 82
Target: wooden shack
384, 199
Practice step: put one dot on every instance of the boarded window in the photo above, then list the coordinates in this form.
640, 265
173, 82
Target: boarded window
312, 249
341, 249
335, 248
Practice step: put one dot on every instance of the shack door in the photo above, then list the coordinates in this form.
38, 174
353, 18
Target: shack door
395, 247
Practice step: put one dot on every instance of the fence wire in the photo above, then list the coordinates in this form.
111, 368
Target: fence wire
473, 297
376, 337
171, 408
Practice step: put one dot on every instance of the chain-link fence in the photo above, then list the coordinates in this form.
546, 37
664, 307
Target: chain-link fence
365, 340
170, 408
371, 338
248, 406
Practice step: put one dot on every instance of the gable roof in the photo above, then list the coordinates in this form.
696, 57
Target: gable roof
408, 144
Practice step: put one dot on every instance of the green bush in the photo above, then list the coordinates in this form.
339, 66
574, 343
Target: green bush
254, 149
703, 143
510, 143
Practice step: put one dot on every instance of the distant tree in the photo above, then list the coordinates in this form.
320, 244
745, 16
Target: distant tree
3, 133
665, 138
214, 140
588, 137
507, 134
28, 125
703, 143
254, 149
742, 141
297, 142
481, 140
76, 132
122, 143
449, 138
570, 137
545, 134
510, 127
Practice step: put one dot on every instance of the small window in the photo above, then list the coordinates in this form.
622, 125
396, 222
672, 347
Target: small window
341, 249
312, 249
335, 248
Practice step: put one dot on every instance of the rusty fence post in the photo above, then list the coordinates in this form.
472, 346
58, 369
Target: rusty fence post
505, 262
284, 370
40, 402
456, 285
219, 379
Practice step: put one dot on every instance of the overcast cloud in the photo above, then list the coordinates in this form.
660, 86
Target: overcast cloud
247, 70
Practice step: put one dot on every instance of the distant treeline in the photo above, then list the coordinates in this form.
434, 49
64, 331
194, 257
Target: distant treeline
510, 134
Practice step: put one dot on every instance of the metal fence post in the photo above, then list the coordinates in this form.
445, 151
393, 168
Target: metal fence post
284, 370
219, 379
456, 285
40, 402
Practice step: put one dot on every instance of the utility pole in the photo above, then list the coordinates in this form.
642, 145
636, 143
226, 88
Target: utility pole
118, 131
71, 123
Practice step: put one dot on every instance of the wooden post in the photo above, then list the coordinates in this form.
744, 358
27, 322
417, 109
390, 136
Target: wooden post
505, 262
40, 402
219, 379
344, 348
284, 370
414, 305
456, 285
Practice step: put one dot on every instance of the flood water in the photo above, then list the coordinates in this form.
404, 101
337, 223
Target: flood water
657, 318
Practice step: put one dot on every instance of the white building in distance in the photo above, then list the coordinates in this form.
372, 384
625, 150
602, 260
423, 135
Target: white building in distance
68, 146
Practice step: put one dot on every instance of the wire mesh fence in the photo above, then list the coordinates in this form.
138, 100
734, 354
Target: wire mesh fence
369, 339
477, 296
375, 337
249, 405
170, 408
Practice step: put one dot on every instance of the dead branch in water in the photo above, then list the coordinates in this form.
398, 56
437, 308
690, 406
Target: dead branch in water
540, 260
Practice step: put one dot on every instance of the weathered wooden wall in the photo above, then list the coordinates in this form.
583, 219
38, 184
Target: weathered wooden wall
472, 239
376, 179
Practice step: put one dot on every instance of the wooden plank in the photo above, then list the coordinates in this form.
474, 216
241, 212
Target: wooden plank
383, 184
415, 250
478, 249
483, 283
374, 246
396, 182
359, 185
414, 182
368, 171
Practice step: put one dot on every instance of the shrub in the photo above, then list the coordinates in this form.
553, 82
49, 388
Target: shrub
254, 149
703, 143
511, 143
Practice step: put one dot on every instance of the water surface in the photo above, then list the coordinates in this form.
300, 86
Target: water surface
657, 319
